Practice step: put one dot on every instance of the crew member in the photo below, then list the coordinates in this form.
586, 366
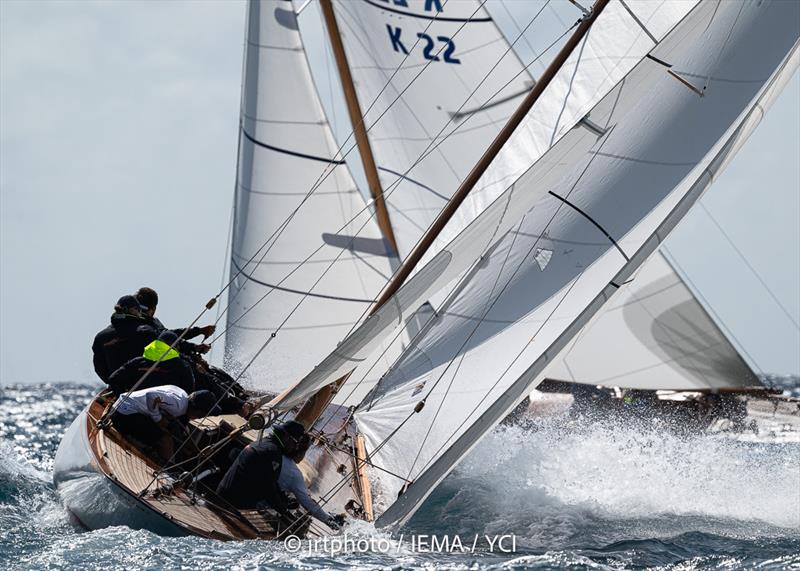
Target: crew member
291, 481
148, 298
252, 479
124, 339
145, 414
172, 369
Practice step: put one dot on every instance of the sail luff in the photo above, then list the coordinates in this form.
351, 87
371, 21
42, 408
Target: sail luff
440, 466
419, 251
357, 122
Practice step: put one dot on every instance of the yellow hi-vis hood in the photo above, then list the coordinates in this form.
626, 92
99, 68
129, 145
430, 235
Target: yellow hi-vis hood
157, 348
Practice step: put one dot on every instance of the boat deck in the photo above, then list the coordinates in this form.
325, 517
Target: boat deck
134, 471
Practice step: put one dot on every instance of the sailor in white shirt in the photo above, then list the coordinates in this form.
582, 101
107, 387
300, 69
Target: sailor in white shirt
291, 481
145, 414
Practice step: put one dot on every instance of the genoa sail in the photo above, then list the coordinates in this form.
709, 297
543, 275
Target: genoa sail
654, 334
607, 205
325, 259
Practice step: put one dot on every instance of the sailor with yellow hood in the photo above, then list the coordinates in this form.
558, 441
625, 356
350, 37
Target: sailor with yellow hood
170, 368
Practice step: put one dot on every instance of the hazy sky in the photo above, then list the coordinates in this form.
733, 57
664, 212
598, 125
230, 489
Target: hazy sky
118, 130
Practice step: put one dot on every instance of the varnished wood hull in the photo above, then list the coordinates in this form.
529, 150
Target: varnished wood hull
105, 480
95, 500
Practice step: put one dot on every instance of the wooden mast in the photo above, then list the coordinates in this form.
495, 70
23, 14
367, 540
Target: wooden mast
311, 410
357, 120
411, 261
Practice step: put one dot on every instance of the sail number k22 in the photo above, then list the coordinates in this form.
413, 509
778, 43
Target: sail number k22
431, 49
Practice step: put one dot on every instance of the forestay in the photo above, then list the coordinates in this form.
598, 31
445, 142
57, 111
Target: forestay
583, 80
609, 201
653, 334
285, 145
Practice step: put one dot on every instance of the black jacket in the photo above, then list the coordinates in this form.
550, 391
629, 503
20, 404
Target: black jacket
253, 477
124, 339
184, 346
172, 372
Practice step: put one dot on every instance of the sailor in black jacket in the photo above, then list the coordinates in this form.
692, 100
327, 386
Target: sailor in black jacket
126, 337
148, 299
172, 369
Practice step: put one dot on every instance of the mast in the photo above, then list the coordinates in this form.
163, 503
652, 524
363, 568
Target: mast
314, 406
411, 261
357, 120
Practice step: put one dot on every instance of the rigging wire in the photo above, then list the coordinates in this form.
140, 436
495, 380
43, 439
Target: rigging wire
427, 152
749, 266
386, 193
400, 331
329, 168
486, 312
272, 335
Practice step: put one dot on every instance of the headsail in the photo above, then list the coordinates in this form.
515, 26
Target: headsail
610, 201
653, 334
285, 146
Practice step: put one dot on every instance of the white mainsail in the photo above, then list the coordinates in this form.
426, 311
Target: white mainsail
285, 146
607, 209
653, 334
419, 62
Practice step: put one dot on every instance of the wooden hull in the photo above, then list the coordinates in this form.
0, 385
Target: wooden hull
93, 498
106, 480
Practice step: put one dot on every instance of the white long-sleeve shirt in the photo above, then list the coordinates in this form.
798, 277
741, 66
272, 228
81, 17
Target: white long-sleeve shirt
291, 481
153, 402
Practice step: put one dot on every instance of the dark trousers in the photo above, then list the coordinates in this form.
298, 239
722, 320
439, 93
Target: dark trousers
253, 477
139, 426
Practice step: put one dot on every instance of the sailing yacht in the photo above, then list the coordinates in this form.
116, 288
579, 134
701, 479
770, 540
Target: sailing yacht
504, 212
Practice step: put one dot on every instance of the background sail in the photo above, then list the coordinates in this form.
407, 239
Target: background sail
607, 209
653, 334
390, 43
285, 145
588, 68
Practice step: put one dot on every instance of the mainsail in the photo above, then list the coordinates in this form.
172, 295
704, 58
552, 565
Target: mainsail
654, 334
605, 212
422, 63
285, 148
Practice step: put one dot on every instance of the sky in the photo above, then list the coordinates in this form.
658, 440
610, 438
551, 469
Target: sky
118, 131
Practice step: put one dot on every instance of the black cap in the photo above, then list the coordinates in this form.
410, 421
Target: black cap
129, 302
292, 428
168, 337
204, 401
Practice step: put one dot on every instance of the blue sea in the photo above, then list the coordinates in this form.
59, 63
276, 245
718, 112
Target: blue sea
600, 496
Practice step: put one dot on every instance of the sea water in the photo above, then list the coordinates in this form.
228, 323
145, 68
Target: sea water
605, 495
